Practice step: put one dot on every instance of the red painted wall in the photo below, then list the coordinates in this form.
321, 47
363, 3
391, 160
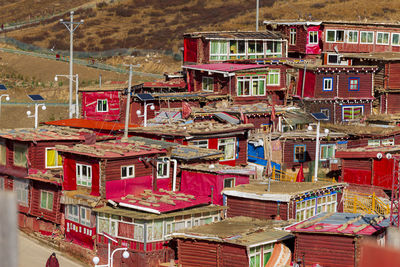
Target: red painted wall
89, 105
190, 50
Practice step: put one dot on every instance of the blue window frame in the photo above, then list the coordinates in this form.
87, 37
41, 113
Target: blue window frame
354, 84
327, 84
299, 153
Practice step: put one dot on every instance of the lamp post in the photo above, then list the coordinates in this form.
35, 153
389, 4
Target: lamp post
317, 148
71, 26
75, 79
7, 99
30, 115
138, 112
110, 259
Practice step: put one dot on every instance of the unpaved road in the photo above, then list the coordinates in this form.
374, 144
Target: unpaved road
34, 254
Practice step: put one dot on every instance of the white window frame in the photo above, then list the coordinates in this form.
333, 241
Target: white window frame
233, 182
256, 53
237, 55
102, 106
310, 207
277, 74
374, 142
207, 84
199, 143
84, 221
219, 55
71, 215
367, 33
255, 253
335, 36
57, 163
80, 178
398, 42
128, 168
251, 80
243, 80
47, 199
150, 231
162, 162
325, 86
292, 36
21, 188
383, 33
276, 49
309, 37
352, 108
322, 158
348, 36
231, 140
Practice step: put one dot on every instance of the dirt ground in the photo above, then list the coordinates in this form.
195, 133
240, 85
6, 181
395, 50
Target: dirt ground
15, 116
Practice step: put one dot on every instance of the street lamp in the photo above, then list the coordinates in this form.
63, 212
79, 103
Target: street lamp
7, 99
30, 115
138, 112
110, 260
75, 79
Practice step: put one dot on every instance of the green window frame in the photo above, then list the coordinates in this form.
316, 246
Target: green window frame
207, 84
274, 77
46, 200
327, 151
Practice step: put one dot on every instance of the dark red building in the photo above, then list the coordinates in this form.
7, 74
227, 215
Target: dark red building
244, 83
32, 168
236, 242
342, 93
333, 239
229, 138
212, 47
288, 200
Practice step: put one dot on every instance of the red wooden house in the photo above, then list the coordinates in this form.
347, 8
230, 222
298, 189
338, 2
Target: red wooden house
101, 103
31, 167
371, 166
308, 38
343, 94
235, 242
244, 83
231, 139
386, 81
333, 239
207, 47
104, 170
287, 200
143, 222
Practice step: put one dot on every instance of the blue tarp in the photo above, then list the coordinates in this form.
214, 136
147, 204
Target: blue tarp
255, 154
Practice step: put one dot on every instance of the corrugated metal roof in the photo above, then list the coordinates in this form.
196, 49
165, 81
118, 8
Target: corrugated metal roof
90, 124
342, 223
236, 35
224, 67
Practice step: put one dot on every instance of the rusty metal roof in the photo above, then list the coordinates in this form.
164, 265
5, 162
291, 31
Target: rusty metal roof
90, 124
235, 35
243, 231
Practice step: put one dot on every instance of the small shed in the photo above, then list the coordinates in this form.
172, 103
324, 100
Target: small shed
289, 200
372, 166
211, 179
333, 239
240, 241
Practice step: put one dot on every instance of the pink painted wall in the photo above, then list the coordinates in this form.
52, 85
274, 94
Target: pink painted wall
314, 49
133, 186
199, 184
89, 105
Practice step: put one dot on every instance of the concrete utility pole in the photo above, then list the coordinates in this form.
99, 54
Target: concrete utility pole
128, 103
71, 26
257, 12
